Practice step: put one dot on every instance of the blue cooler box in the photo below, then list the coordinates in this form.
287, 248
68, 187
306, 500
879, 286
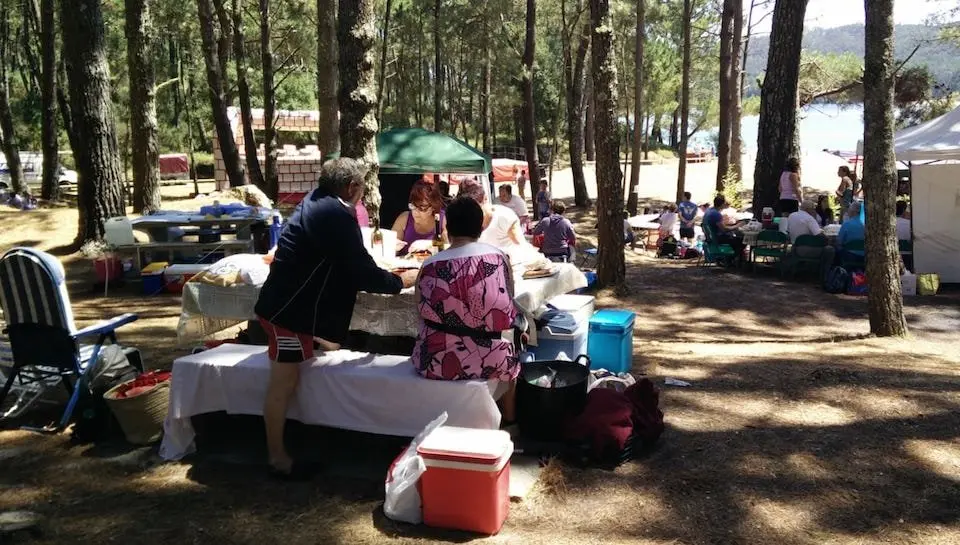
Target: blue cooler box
552, 341
610, 344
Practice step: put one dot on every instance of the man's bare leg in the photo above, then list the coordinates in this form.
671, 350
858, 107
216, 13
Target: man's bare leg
283, 384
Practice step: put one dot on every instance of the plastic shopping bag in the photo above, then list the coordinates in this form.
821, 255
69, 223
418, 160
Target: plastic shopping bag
402, 501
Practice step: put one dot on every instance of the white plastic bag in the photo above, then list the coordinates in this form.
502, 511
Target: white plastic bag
402, 501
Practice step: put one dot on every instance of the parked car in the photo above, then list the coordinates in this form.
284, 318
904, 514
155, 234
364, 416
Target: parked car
32, 165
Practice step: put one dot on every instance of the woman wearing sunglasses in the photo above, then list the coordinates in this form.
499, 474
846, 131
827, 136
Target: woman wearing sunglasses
419, 223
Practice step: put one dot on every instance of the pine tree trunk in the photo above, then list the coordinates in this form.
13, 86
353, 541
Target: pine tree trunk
100, 191
224, 41
725, 140
778, 138
437, 71
383, 60
885, 300
271, 179
358, 122
637, 106
736, 139
50, 185
589, 117
63, 101
574, 65
328, 77
218, 100
254, 174
485, 97
11, 145
611, 268
143, 106
529, 106
684, 99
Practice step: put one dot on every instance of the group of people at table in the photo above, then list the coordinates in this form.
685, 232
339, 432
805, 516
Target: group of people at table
465, 292
798, 217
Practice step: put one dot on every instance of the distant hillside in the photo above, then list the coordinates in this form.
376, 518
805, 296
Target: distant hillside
941, 58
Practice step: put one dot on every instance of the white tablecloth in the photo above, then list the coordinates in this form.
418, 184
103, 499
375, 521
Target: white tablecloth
207, 309
343, 389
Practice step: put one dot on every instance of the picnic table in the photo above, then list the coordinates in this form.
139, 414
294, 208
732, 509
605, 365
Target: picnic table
208, 308
166, 231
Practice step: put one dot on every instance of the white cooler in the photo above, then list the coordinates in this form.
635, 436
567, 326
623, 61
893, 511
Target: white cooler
551, 344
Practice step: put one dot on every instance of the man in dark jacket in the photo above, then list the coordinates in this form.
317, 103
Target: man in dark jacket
319, 266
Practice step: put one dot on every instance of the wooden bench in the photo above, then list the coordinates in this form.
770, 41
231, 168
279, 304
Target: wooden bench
229, 247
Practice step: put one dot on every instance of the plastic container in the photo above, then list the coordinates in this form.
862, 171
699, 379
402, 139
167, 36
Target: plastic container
118, 231
467, 482
552, 343
543, 411
175, 276
908, 284
610, 344
152, 277
107, 268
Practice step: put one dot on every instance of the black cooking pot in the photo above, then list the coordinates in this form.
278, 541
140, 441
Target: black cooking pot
542, 412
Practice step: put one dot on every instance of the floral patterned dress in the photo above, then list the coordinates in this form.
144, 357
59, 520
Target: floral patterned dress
466, 289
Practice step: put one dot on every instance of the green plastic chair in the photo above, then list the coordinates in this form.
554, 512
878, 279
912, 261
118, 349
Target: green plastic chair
806, 251
852, 261
771, 247
712, 251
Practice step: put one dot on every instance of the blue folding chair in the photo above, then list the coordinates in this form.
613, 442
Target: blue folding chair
44, 342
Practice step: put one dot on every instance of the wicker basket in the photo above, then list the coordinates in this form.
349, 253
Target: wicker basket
141, 417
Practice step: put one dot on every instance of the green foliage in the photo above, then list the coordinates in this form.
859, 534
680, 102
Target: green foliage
733, 190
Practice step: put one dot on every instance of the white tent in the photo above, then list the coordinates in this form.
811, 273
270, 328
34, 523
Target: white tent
935, 140
932, 150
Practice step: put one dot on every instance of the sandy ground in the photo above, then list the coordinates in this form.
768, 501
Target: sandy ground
795, 430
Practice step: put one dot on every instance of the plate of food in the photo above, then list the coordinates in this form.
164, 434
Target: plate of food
540, 272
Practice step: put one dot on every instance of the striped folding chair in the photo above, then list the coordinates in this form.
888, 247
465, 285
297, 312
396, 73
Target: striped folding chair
44, 342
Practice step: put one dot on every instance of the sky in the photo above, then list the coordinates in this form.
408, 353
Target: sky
832, 13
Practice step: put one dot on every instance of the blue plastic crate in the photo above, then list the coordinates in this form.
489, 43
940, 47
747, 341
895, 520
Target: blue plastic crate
610, 342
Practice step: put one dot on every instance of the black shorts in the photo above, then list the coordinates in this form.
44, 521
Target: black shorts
687, 232
788, 206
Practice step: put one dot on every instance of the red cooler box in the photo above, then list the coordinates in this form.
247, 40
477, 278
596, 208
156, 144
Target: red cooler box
175, 276
467, 482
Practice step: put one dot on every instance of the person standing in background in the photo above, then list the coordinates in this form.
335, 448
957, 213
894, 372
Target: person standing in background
522, 184
541, 202
688, 216
791, 192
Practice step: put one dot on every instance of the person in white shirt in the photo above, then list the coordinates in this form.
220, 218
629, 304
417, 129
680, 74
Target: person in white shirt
804, 222
668, 220
904, 225
513, 202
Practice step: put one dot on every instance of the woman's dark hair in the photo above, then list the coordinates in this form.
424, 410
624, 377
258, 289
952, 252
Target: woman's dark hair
901, 208
422, 192
792, 165
464, 218
849, 173
823, 202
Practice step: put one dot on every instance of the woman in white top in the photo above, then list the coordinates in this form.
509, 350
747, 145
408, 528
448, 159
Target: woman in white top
791, 193
501, 226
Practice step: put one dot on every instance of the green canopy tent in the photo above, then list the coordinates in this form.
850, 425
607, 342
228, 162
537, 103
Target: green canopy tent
407, 154
419, 151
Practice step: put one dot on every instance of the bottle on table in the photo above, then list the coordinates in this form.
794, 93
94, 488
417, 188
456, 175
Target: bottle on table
437, 235
376, 239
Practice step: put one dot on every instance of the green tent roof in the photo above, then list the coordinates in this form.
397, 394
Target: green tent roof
419, 151
416, 151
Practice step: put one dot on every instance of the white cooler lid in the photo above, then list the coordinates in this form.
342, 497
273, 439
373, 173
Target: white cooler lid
570, 302
467, 445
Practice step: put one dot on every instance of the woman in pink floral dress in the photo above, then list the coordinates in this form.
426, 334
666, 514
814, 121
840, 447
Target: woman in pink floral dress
466, 309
